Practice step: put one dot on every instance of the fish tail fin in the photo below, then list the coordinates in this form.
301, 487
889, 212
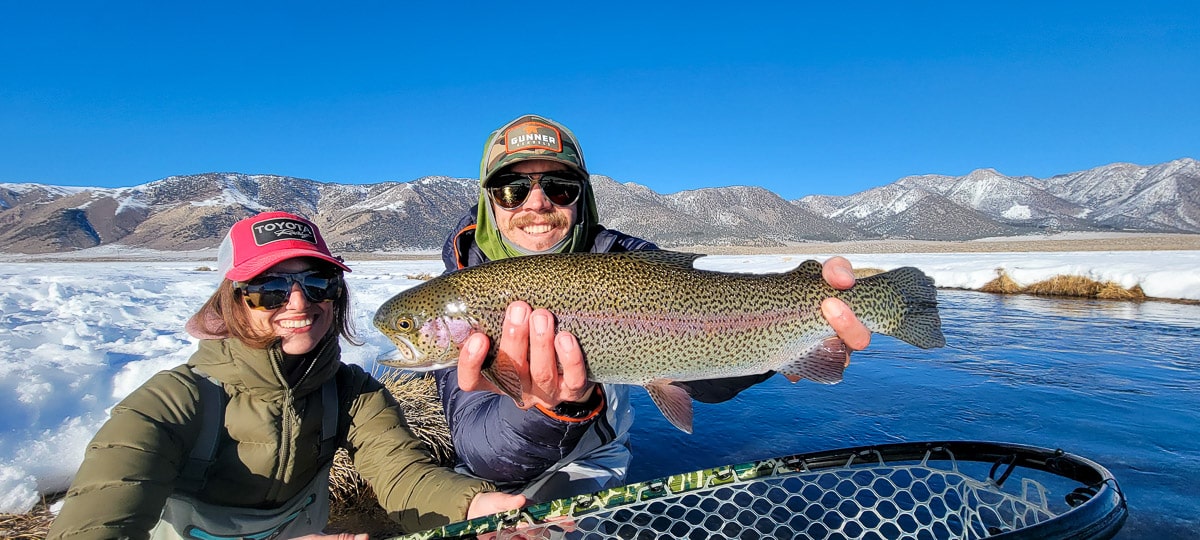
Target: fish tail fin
923, 329
673, 402
917, 322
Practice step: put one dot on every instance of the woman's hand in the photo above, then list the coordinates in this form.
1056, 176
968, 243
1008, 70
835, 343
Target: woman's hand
490, 502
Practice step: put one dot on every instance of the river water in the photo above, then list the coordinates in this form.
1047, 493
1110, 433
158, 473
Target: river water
1114, 382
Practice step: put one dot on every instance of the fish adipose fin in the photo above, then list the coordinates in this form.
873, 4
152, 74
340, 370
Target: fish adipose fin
673, 402
808, 268
823, 364
503, 374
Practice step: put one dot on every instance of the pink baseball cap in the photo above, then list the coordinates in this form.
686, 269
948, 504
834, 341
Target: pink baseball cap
258, 242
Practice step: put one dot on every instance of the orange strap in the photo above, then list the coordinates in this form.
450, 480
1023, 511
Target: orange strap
590, 415
458, 257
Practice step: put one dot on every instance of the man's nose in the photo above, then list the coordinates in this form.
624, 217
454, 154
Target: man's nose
537, 198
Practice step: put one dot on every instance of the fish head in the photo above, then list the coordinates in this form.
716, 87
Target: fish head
427, 333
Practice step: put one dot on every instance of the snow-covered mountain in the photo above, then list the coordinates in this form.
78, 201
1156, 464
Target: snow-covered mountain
193, 212
1161, 198
1124, 195
737, 215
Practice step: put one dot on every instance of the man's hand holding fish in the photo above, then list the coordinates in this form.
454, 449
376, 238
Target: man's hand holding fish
549, 363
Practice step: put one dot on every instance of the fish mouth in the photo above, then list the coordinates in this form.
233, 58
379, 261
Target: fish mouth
408, 356
404, 355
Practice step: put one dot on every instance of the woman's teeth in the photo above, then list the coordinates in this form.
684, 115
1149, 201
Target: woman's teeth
294, 323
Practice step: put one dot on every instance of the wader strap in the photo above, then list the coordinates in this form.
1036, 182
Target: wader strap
212, 419
329, 419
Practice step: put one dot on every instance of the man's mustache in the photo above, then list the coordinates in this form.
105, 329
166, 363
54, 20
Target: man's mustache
553, 219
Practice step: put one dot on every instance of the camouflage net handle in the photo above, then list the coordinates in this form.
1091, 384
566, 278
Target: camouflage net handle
884, 492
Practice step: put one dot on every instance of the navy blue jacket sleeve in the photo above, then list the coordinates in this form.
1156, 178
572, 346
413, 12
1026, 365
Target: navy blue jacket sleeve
457, 249
498, 441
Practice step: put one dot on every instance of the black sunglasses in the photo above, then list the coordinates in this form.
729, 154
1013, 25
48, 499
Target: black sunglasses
510, 190
271, 291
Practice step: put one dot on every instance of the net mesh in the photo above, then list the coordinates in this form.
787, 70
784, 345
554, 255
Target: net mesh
885, 492
883, 502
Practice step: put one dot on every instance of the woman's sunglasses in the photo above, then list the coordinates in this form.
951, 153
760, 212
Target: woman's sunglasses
510, 190
271, 291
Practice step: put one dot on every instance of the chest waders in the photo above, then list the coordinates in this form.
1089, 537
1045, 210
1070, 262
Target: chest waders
186, 517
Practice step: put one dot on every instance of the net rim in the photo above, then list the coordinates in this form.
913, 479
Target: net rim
1100, 516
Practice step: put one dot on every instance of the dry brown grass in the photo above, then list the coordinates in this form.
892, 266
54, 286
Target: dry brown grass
1070, 286
346, 487
353, 507
31, 526
1001, 285
1112, 291
1064, 286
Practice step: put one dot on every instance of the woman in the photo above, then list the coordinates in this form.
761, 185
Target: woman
238, 442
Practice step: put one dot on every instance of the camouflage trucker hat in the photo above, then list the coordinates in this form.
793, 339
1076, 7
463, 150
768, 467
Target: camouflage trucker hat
530, 137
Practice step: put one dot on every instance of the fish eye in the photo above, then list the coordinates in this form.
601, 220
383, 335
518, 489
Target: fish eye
404, 323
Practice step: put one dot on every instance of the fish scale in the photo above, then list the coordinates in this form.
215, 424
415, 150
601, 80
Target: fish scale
650, 317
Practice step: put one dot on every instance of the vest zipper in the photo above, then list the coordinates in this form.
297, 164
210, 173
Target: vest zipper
290, 421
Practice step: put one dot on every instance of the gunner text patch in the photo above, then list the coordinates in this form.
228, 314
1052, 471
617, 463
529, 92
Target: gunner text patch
532, 136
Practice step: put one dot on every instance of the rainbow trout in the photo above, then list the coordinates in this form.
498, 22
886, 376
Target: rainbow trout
650, 318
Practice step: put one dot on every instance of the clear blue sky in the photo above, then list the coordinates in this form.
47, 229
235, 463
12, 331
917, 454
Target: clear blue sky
676, 95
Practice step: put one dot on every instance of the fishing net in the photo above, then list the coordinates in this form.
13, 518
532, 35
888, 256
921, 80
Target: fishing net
960, 490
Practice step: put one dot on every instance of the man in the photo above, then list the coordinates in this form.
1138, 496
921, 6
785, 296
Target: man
572, 436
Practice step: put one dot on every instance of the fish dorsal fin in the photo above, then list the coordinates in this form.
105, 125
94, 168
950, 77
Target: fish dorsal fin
673, 402
678, 259
824, 363
808, 268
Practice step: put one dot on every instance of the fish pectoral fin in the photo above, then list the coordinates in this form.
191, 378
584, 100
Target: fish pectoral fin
503, 373
673, 402
824, 363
